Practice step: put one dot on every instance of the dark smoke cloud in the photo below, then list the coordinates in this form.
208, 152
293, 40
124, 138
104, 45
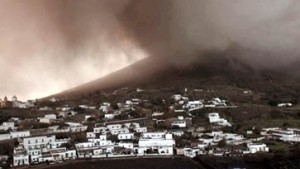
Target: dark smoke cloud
267, 31
50, 45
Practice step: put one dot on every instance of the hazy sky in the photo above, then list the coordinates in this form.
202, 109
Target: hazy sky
47, 46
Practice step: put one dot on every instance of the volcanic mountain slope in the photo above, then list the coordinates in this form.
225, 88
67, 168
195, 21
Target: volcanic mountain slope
139, 71
153, 73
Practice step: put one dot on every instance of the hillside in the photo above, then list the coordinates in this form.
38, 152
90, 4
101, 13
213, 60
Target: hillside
136, 72
156, 74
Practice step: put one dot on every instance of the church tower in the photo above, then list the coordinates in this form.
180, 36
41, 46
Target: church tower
5, 99
5, 103
14, 98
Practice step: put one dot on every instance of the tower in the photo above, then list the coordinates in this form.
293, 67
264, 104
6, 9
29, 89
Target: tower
14, 98
6, 103
5, 99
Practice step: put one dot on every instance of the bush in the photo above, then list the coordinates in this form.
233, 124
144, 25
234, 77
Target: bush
222, 143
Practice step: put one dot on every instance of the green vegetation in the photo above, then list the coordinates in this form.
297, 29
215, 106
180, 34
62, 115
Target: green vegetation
279, 147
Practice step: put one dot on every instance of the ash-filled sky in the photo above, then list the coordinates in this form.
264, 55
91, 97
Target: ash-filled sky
47, 46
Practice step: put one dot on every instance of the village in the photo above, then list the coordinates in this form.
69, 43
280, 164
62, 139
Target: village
130, 129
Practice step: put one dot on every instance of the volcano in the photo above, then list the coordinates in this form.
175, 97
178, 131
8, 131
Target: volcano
159, 74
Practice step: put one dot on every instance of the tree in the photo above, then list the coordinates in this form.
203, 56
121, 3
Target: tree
222, 143
67, 145
78, 137
121, 117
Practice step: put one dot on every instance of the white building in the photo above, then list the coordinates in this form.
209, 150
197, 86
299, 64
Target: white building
193, 104
257, 147
90, 135
7, 126
215, 119
20, 158
156, 143
76, 127
86, 149
191, 152
110, 116
19, 134
45, 143
178, 133
33, 149
140, 129
99, 130
126, 136
179, 123
50, 116
5, 137
105, 107
125, 145
119, 131
101, 141
60, 154
114, 126
45, 108
57, 129
285, 105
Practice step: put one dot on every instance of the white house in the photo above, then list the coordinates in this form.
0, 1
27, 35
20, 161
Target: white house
46, 108
53, 99
285, 105
60, 154
31, 151
20, 159
66, 108
67, 113
76, 127
86, 149
125, 145
19, 134
57, 129
7, 125
90, 135
101, 141
105, 107
178, 133
126, 136
179, 123
178, 97
48, 118
140, 129
110, 115
114, 126
191, 152
45, 143
119, 131
159, 143
193, 104
99, 130
257, 147
5, 137
215, 118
